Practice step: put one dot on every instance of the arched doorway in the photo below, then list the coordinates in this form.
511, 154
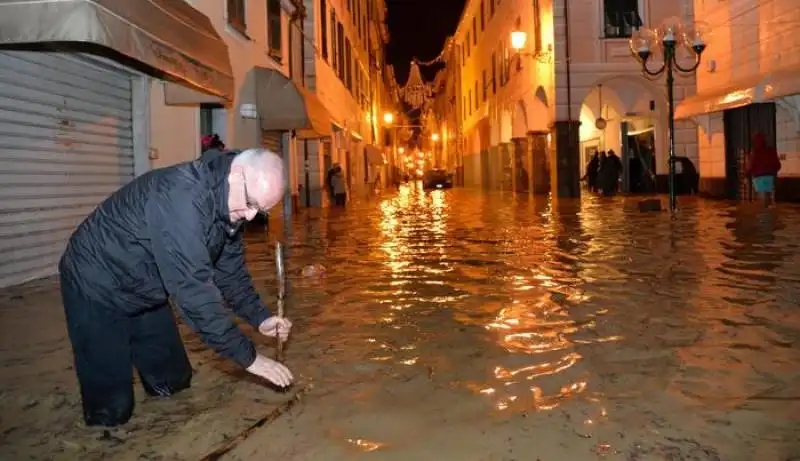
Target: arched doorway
626, 115
517, 162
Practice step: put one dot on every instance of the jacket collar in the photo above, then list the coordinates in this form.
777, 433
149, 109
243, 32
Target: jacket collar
220, 168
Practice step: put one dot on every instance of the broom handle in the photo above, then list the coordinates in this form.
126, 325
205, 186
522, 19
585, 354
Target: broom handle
281, 293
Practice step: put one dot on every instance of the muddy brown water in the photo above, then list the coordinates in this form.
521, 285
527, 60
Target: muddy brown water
472, 326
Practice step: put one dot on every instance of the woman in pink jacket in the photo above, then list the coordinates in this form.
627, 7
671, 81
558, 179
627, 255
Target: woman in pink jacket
763, 166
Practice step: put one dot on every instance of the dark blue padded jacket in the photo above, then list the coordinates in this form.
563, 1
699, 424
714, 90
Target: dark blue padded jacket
168, 234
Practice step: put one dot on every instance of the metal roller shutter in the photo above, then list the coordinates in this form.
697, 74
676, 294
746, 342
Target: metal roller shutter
66, 143
272, 141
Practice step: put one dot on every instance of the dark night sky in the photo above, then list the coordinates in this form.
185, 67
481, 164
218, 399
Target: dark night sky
419, 28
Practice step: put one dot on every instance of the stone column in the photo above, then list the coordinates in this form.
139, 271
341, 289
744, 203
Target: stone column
565, 159
540, 169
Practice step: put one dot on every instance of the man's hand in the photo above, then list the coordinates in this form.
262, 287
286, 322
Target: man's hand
272, 371
275, 324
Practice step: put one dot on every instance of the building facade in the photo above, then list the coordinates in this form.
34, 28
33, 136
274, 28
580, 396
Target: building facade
530, 111
345, 67
748, 83
85, 112
442, 121
80, 82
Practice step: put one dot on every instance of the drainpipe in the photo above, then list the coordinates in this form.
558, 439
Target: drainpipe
299, 15
574, 193
569, 73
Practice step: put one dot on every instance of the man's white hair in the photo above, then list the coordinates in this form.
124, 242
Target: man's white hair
261, 160
267, 171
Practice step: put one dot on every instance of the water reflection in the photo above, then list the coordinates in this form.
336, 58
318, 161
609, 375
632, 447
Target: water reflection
533, 305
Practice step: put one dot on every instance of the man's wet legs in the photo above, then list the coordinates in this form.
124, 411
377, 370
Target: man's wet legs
101, 348
159, 354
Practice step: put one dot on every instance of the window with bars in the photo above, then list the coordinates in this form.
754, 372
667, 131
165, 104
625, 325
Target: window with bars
519, 27
340, 45
506, 64
494, 73
348, 62
334, 54
537, 27
621, 18
323, 29
357, 87
357, 18
485, 86
275, 37
237, 16
474, 30
502, 64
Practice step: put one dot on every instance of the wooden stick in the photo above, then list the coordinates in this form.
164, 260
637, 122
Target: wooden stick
223, 448
281, 275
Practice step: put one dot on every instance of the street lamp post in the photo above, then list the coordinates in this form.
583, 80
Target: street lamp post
667, 39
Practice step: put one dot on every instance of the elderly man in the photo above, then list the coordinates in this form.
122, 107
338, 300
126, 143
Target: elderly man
173, 232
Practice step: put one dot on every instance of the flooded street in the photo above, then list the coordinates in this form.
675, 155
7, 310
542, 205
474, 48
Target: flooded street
461, 325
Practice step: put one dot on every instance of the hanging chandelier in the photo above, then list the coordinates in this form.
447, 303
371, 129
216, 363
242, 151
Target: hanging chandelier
415, 92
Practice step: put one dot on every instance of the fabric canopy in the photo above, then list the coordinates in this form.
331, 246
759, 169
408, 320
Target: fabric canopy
167, 36
762, 88
283, 106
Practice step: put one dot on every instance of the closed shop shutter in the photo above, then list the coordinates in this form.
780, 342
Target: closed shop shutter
272, 141
66, 143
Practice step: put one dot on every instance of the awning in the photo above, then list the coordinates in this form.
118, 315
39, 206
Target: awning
173, 40
375, 155
763, 88
283, 106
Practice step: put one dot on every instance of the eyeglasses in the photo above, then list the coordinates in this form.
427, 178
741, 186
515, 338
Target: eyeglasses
250, 201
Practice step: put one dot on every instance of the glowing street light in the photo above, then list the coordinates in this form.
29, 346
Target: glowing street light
518, 40
435, 137
388, 118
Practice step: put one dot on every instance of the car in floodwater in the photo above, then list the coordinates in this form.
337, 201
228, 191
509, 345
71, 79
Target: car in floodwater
437, 179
